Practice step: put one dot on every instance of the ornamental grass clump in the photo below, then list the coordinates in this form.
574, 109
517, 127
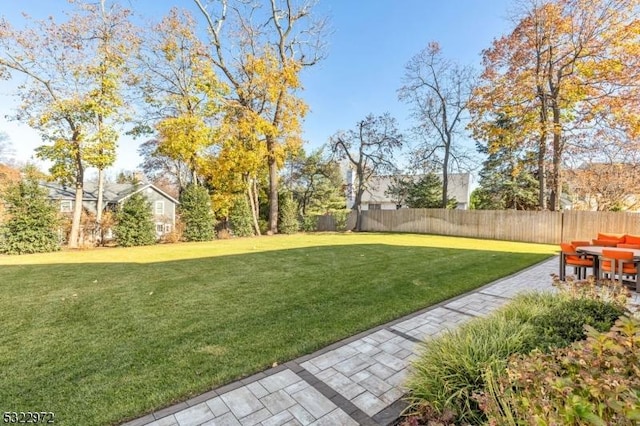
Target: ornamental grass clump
450, 370
608, 291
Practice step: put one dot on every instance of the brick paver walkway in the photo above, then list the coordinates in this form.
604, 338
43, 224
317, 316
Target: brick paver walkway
358, 381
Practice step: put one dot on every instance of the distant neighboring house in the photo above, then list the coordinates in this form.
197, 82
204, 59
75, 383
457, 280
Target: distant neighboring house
163, 205
603, 186
375, 198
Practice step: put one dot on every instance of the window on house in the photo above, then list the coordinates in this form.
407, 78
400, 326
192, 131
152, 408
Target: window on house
375, 206
159, 207
167, 228
159, 228
66, 206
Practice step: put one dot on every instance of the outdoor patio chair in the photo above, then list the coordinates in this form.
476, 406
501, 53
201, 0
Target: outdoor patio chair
620, 263
569, 257
582, 243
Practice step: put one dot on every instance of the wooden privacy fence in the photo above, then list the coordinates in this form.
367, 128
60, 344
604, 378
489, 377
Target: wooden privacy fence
510, 225
326, 223
329, 223
584, 225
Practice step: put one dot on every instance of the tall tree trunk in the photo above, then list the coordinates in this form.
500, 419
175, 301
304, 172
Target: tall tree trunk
542, 147
542, 150
513, 203
273, 165
359, 186
358, 200
273, 186
543, 116
556, 190
358, 207
74, 235
100, 196
98, 233
253, 205
445, 173
256, 197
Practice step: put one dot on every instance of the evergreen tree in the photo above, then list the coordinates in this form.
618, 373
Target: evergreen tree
241, 218
316, 183
196, 214
288, 223
32, 221
508, 177
424, 193
134, 222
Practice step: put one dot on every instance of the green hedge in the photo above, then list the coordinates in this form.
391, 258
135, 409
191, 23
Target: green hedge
134, 222
32, 221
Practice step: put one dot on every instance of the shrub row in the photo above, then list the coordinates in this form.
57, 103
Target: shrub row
450, 379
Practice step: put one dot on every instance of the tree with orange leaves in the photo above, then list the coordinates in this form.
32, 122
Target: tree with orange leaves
565, 75
8, 174
603, 175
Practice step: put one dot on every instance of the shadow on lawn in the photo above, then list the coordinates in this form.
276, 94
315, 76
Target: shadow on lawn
116, 340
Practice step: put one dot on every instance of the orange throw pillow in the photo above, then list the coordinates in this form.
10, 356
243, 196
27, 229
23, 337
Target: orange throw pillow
611, 237
632, 239
605, 243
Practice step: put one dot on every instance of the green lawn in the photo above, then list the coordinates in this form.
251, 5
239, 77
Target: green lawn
105, 335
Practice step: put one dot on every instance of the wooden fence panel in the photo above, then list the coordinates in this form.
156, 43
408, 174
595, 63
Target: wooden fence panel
585, 226
509, 225
537, 227
326, 223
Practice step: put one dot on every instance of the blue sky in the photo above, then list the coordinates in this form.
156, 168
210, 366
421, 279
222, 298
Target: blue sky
370, 43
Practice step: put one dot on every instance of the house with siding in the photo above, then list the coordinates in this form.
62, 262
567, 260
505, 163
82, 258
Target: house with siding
375, 197
163, 205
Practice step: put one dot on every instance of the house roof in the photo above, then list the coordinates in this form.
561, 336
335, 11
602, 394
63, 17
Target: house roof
59, 192
113, 192
127, 192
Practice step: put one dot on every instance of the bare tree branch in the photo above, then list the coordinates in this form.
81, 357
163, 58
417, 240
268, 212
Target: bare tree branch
370, 150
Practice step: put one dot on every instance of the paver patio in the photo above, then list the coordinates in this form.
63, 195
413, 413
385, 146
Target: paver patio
358, 381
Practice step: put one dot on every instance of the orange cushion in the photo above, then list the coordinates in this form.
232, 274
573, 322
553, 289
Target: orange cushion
629, 246
611, 237
605, 243
578, 261
568, 249
632, 239
580, 243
